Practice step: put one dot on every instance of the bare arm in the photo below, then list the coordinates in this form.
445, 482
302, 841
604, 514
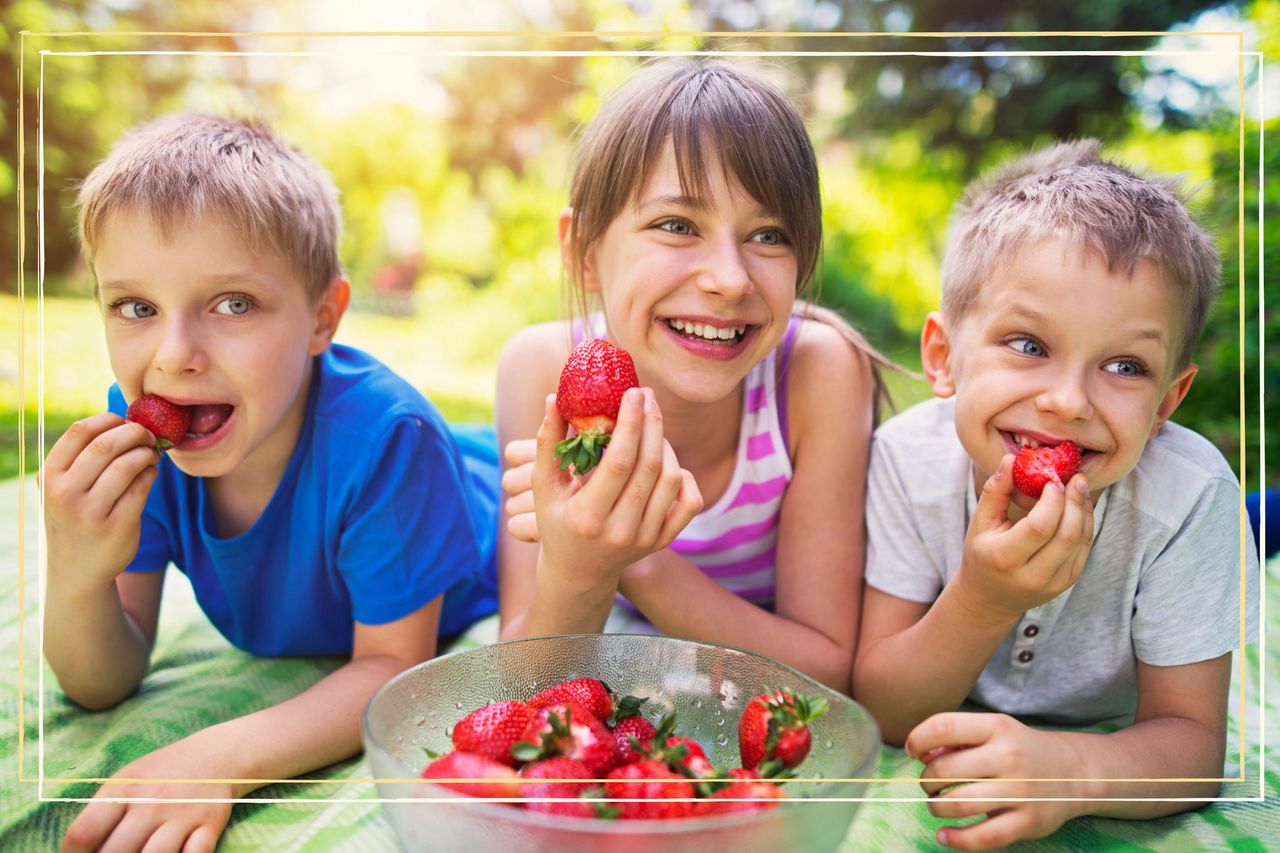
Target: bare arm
821, 534
1178, 733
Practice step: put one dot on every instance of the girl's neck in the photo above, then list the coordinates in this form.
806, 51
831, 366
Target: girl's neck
703, 435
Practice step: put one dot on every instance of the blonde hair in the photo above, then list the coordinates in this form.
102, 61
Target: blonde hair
195, 164
1069, 191
709, 110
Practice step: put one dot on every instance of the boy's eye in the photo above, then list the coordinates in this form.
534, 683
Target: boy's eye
133, 309
1026, 346
234, 306
771, 237
676, 226
1126, 367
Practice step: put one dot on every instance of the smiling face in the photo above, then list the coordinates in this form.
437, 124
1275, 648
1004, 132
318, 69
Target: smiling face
201, 319
698, 290
1058, 348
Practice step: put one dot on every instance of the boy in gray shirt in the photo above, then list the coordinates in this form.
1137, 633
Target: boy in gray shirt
1073, 294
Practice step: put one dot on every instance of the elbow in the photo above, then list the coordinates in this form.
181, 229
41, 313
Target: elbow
98, 701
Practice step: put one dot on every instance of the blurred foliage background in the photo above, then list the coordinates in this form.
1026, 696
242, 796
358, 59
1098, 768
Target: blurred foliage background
452, 154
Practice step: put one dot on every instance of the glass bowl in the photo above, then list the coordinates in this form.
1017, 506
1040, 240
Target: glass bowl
706, 685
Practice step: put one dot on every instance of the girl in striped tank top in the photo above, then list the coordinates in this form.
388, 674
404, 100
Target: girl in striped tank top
728, 507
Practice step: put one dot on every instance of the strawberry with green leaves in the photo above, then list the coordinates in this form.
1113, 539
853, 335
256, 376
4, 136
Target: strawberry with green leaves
592, 383
656, 786
773, 731
591, 693
589, 802
167, 421
493, 729
570, 730
1037, 466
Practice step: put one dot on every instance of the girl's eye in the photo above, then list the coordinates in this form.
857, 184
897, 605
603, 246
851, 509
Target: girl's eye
1026, 346
234, 306
1126, 367
676, 226
133, 309
771, 237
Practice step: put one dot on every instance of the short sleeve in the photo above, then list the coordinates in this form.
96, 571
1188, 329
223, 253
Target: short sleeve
898, 559
154, 552
408, 535
1187, 607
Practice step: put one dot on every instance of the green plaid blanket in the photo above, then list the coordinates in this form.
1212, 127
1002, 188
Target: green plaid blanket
198, 679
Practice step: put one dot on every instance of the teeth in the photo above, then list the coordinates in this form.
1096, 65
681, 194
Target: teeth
1025, 440
707, 331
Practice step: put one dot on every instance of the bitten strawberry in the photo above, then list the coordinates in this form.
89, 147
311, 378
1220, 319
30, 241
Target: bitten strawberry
1035, 467
773, 731
595, 377
468, 765
659, 791
167, 421
570, 730
589, 802
493, 729
591, 693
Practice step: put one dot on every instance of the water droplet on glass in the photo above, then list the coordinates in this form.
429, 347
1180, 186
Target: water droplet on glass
827, 743
720, 722
448, 732
697, 704
721, 740
422, 721
457, 706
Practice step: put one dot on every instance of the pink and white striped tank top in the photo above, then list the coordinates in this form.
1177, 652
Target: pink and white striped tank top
734, 542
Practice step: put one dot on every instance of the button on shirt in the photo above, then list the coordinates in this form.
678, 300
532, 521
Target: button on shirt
1161, 585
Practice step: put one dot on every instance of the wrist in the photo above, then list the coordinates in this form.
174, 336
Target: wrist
980, 606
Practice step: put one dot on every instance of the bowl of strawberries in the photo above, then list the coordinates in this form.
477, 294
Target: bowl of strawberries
618, 742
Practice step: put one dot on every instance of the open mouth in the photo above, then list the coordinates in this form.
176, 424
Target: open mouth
707, 333
1016, 440
208, 418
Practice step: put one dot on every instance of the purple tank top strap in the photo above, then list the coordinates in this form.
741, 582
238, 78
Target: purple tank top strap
784, 361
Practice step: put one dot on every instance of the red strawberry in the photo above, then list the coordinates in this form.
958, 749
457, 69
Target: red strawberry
467, 765
660, 788
594, 378
588, 805
568, 729
492, 730
680, 754
1035, 467
757, 789
626, 729
774, 728
167, 421
590, 693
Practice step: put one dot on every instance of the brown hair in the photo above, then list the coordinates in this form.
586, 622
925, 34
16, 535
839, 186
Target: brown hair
1069, 191
193, 164
709, 110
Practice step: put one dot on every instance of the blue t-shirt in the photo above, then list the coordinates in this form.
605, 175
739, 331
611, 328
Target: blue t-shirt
375, 515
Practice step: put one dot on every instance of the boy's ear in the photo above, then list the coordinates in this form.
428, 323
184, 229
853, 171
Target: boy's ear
935, 354
328, 313
1173, 397
590, 283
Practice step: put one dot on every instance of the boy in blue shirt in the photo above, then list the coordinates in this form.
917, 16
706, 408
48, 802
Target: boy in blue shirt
317, 503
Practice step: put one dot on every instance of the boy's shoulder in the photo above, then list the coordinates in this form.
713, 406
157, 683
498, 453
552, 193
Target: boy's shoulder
928, 426
920, 445
361, 398
1176, 469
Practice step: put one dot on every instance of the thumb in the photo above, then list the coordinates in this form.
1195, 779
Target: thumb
997, 493
546, 468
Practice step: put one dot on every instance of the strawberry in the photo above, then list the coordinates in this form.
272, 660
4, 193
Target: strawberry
167, 421
595, 377
1035, 467
680, 754
589, 803
590, 693
626, 729
662, 785
468, 765
492, 730
570, 730
757, 789
773, 731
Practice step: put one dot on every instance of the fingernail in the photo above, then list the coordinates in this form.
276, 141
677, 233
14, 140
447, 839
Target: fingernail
942, 837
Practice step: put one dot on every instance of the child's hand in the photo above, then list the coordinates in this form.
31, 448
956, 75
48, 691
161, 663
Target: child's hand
633, 504
1000, 752
517, 482
95, 483
157, 826
1010, 568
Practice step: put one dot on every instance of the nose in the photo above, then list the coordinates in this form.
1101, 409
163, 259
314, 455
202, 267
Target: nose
179, 351
724, 272
1067, 394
